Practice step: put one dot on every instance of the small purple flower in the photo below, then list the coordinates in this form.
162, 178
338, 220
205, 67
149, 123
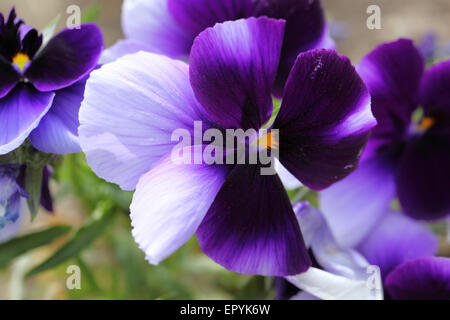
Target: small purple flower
41, 85
405, 159
11, 194
12, 198
404, 250
169, 27
242, 219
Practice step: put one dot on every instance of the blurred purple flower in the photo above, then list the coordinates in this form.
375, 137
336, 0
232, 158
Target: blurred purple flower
41, 86
243, 220
401, 247
169, 27
431, 49
405, 159
12, 193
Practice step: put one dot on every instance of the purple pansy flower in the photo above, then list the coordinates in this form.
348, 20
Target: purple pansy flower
169, 27
403, 159
41, 84
10, 195
13, 194
242, 219
404, 249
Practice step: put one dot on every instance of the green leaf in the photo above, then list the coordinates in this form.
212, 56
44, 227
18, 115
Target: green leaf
33, 185
257, 288
18, 246
49, 30
92, 14
80, 240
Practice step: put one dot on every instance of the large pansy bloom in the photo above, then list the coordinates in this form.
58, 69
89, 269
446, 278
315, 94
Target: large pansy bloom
169, 27
41, 84
404, 158
242, 219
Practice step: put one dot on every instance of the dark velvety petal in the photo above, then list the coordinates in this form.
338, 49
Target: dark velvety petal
251, 227
392, 72
423, 179
396, 239
420, 279
8, 78
324, 120
355, 205
67, 58
20, 112
58, 130
435, 94
284, 289
46, 197
194, 16
305, 30
232, 69
149, 22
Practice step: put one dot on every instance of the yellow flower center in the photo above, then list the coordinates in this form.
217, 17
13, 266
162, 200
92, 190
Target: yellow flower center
268, 141
20, 61
426, 123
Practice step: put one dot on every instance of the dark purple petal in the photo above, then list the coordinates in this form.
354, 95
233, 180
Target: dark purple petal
251, 227
46, 197
353, 206
8, 78
20, 112
149, 22
324, 120
435, 94
194, 16
423, 179
58, 130
67, 58
420, 279
305, 30
397, 239
392, 72
232, 69
284, 289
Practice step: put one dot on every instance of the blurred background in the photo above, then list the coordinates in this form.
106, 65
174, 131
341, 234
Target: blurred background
100, 241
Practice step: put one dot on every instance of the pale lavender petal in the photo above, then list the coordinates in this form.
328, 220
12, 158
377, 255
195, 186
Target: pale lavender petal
170, 202
122, 48
131, 108
396, 239
149, 22
353, 206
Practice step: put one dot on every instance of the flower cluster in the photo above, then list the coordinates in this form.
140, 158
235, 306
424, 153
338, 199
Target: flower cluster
373, 140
